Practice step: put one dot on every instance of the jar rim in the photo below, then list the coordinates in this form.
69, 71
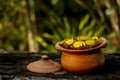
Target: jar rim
102, 45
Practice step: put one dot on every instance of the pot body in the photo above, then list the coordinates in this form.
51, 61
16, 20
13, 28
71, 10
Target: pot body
82, 62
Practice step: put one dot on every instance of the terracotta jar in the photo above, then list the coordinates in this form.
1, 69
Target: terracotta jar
82, 61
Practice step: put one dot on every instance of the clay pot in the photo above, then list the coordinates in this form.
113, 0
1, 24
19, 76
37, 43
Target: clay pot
82, 61
44, 65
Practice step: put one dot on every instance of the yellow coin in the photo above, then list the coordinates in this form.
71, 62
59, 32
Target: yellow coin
90, 42
77, 44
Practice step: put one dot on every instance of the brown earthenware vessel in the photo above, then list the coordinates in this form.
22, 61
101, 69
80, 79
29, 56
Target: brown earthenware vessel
82, 61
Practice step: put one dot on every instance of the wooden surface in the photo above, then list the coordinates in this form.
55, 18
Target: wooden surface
13, 67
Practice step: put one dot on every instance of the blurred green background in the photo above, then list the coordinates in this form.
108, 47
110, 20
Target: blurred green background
36, 25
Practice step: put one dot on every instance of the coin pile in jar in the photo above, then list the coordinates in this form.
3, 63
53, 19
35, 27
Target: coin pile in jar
81, 42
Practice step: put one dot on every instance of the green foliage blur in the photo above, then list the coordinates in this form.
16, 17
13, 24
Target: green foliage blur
36, 25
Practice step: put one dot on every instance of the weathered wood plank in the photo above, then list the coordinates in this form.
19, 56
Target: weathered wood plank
13, 67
